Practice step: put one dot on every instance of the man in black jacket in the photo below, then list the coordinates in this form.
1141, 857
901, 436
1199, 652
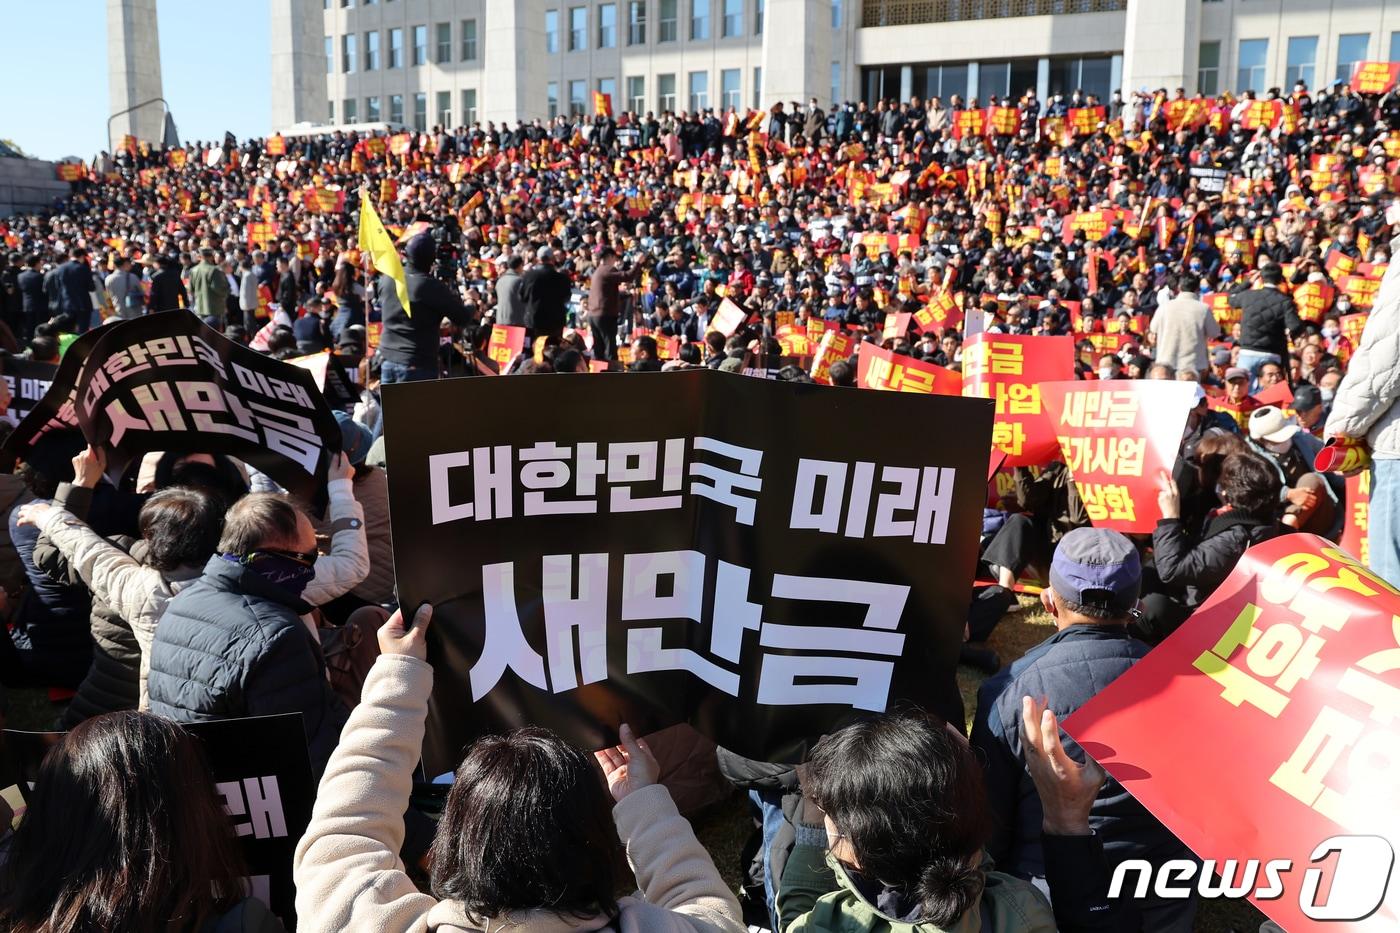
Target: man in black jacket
545, 291
408, 345
75, 287
167, 290
1268, 318
1095, 579
35, 305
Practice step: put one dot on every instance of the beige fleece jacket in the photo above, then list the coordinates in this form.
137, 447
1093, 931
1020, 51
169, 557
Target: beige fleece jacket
347, 870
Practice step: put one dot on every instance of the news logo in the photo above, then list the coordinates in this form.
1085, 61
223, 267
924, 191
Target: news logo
1359, 877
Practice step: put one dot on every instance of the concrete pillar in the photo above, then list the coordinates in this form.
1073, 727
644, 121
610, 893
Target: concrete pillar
1159, 44
513, 63
1042, 80
298, 57
133, 69
796, 57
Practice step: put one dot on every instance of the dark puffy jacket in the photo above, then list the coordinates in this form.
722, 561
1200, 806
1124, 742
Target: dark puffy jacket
546, 292
414, 340
1268, 318
51, 624
1198, 566
1069, 668
232, 644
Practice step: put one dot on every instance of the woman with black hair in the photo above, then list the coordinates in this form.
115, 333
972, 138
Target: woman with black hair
1192, 566
527, 841
893, 823
124, 832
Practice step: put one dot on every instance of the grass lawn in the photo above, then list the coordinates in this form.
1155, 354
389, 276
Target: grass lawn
723, 828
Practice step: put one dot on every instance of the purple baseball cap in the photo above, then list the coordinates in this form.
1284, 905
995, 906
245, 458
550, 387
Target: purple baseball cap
1097, 567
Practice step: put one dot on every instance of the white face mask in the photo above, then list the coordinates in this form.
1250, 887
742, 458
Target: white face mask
1278, 447
1330, 331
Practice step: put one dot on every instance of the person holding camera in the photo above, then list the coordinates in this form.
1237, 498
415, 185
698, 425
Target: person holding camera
408, 345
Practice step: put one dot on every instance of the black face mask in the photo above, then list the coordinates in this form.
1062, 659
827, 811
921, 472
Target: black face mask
291, 571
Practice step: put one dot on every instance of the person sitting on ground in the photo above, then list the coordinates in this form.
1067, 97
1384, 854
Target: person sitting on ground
893, 821
1043, 509
125, 832
179, 530
1095, 580
1190, 567
526, 841
1313, 502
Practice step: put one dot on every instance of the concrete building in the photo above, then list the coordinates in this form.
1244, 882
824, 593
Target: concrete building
423, 62
133, 70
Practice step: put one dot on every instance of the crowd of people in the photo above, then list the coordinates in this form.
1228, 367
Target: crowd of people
1190, 231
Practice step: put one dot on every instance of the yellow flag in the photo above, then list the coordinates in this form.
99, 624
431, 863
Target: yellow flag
375, 241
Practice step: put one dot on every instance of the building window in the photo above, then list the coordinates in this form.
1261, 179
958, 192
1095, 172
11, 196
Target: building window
1254, 57
396, 108
730, 94
1208, 73
347, 54
468, 40
551, 94
551, 31
699, 19
607, 25
330, 111
835, 83
330, 55
1067, 75
637, 22
665, 93
578, 28
757, 88
758, 18
420, 111
444, 43
576, 89
699, 90
636, 93
347, 108
469, 106
1351, 48
835, 14
941, 81
420, 45
444, 109
666, 29
1394, 47
372, 51
608, 86
733, 18
371, 109
1302, 61
395, 48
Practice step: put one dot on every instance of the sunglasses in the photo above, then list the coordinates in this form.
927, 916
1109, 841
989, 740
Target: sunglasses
305, 557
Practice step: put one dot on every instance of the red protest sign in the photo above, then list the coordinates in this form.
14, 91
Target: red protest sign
1225, 315
895, 372
505, 344
1360, 290
1313, 299
942, 311
835, 346
1095, 225
1353, 325
1117, 436
1083, 121
969, 123
1356, 525
896, 324
1374, 77
729, 318
1010, 370
1279, 395
1285, 680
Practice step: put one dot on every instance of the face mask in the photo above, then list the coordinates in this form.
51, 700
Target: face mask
1278, 447
1330, 332
279, 568
1195, 267
1326, 395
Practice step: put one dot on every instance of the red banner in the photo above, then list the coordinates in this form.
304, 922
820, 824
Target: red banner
895, 372
896, 324
1117, 437
1286, 681
1374, 77
1226, 316
1356, 525
327, 200
1010, 370
1359, 289
1004, 121
1353, 325
1084, 121
1095, 225
942, 311
276, 145
506, 344
835, 346
969, 123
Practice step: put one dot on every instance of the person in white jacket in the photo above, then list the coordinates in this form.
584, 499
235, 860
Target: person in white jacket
1364, 408
526, 843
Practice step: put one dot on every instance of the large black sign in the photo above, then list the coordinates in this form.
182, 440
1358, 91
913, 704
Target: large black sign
760, 559
28, 382
1210, 180
262, 775
169, 382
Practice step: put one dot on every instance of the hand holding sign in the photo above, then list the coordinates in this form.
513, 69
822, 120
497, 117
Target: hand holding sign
88, 467
628, 767
1067, 789
1168, 496
395, 638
